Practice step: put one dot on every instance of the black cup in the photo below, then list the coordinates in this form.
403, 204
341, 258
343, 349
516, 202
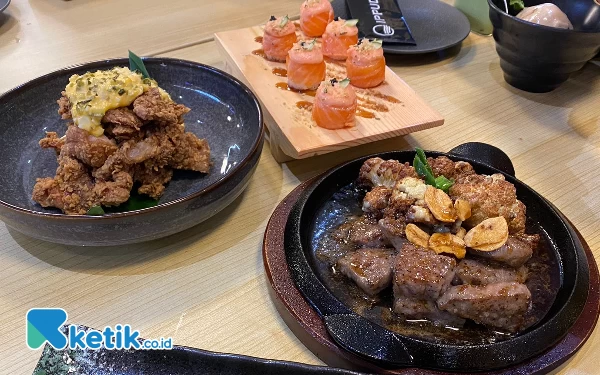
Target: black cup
539, 58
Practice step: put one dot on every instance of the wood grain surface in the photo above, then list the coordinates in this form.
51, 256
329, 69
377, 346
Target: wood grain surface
294, 129
206, 286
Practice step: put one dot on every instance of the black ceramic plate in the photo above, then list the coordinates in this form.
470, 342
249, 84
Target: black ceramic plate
434, 24
178, 361
4, 5
223, 110
387, 348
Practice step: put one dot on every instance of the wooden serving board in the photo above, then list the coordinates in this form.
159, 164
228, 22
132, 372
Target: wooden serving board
390, 110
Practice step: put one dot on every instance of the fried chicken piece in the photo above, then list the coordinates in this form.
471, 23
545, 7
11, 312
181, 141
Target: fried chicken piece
52, 140
150, 106
191, 153
164, 146
122, 116
443, 166
89, 149
115, 192
490, 196
379, 172
64, 107
153, 180
122, 123
71, 190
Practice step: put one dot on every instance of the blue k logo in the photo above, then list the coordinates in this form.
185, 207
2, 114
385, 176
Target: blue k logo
43, 325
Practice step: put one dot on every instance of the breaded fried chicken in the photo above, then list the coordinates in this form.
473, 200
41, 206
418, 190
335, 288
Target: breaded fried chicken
150, 106
142, 143
152, 179
71, 190
89, 149
52, 140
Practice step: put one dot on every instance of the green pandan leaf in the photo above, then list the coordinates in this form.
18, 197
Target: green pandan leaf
96, 211
136, 63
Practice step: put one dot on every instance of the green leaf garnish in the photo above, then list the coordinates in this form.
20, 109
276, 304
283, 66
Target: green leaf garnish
442, 183
310, 45
135, 202
344, 82
377, 43
284, 21
95, 211
351, 22
424, 170
517, 5
136, 63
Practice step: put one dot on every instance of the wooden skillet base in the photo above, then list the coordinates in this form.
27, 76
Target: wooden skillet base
309, 328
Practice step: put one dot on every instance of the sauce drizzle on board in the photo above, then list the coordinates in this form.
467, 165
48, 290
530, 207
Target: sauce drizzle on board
364, 113
306, 105
303, 104
259, 52
284, 86
387, 98
280, 72
258, 39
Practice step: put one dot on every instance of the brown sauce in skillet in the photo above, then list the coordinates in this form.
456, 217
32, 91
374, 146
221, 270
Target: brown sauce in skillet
543, 282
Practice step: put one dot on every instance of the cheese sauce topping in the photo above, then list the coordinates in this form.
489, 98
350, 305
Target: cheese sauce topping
94, 93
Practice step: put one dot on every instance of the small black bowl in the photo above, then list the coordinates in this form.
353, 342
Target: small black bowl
389, 349
539, 58
223, 110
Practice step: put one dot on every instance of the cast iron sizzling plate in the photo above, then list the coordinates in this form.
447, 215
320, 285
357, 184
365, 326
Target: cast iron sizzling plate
386, 348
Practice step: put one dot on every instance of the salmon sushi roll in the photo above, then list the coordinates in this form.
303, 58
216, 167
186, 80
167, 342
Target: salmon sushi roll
279, 37
305, 66
335, 105
338, 37
365, 65
314, 17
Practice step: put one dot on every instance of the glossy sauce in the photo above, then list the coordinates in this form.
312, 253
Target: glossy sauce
284, 86
363, 113
346, 205
258, 39
387, 98
372, 105
303, 104
280, 72
259, 52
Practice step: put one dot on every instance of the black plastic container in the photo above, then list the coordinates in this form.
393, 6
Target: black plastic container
539, 58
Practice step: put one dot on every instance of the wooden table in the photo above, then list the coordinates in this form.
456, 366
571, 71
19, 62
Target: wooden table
206, 287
